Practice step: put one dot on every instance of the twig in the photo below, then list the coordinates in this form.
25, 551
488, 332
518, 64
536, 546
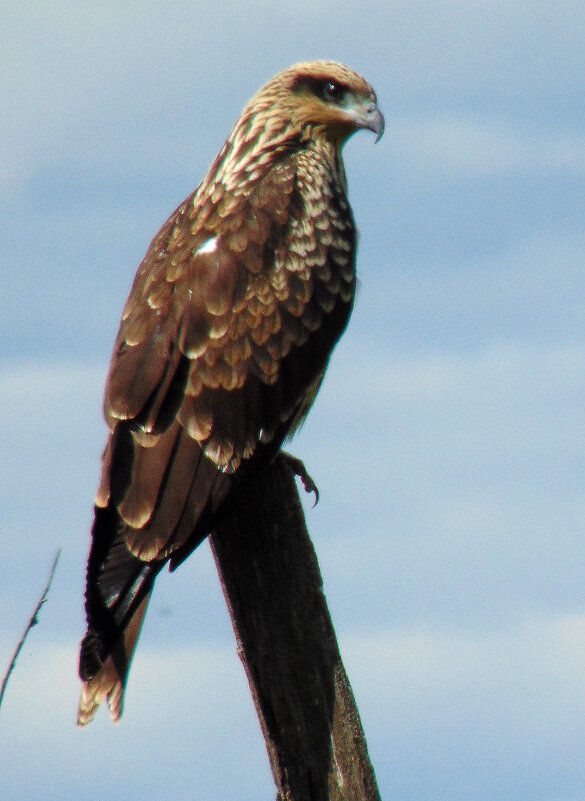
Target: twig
32, 622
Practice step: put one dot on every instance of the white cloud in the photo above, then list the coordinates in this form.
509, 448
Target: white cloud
101, 85
538, 275
539, 659
455, 147
506, 701
199, 690
508, 697
503, 401
417, 542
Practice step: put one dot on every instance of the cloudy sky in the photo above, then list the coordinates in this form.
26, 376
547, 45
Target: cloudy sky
448, 441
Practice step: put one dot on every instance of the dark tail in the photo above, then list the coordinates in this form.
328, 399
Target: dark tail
117, 593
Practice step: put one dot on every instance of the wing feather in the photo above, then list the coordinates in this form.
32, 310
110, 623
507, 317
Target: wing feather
218, 355
150, 465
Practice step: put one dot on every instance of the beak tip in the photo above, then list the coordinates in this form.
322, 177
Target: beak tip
377, 124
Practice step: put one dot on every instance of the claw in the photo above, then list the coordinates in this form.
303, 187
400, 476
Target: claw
299, 469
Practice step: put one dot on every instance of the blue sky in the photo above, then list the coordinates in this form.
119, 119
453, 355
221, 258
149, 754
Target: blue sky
448, 440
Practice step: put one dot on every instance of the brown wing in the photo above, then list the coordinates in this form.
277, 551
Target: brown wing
223, 342
216, 349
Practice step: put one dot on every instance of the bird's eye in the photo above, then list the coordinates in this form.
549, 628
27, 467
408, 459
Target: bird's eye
333, 91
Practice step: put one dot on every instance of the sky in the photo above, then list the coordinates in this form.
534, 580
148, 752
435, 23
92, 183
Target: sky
448, 439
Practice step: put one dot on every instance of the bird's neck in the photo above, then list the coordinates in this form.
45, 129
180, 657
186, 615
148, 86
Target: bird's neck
255, 145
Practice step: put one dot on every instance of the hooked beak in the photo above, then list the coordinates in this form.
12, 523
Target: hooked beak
373, 120
361, 113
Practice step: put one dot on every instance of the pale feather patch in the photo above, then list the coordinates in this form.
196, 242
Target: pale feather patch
209, 246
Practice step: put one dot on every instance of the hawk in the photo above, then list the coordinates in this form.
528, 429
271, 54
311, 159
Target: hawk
223, 343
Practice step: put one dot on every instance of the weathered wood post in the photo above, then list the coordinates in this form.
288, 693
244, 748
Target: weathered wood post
273, 588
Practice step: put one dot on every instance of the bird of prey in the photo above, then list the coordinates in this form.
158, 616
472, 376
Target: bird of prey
223, 343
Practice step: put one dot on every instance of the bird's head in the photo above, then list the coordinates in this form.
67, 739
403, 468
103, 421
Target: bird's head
320, 98
319, 101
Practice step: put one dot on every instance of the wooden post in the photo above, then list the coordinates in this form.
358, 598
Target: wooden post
273, 588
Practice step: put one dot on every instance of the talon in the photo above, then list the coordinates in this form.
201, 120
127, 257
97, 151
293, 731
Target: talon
299, 469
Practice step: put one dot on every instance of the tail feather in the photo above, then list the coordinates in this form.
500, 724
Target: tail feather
109, 682
118, 590
125, 558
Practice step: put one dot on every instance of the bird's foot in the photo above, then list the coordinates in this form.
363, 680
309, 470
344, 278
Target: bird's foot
299, 469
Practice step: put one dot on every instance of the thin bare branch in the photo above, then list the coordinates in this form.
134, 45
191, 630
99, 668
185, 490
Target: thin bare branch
32, 622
